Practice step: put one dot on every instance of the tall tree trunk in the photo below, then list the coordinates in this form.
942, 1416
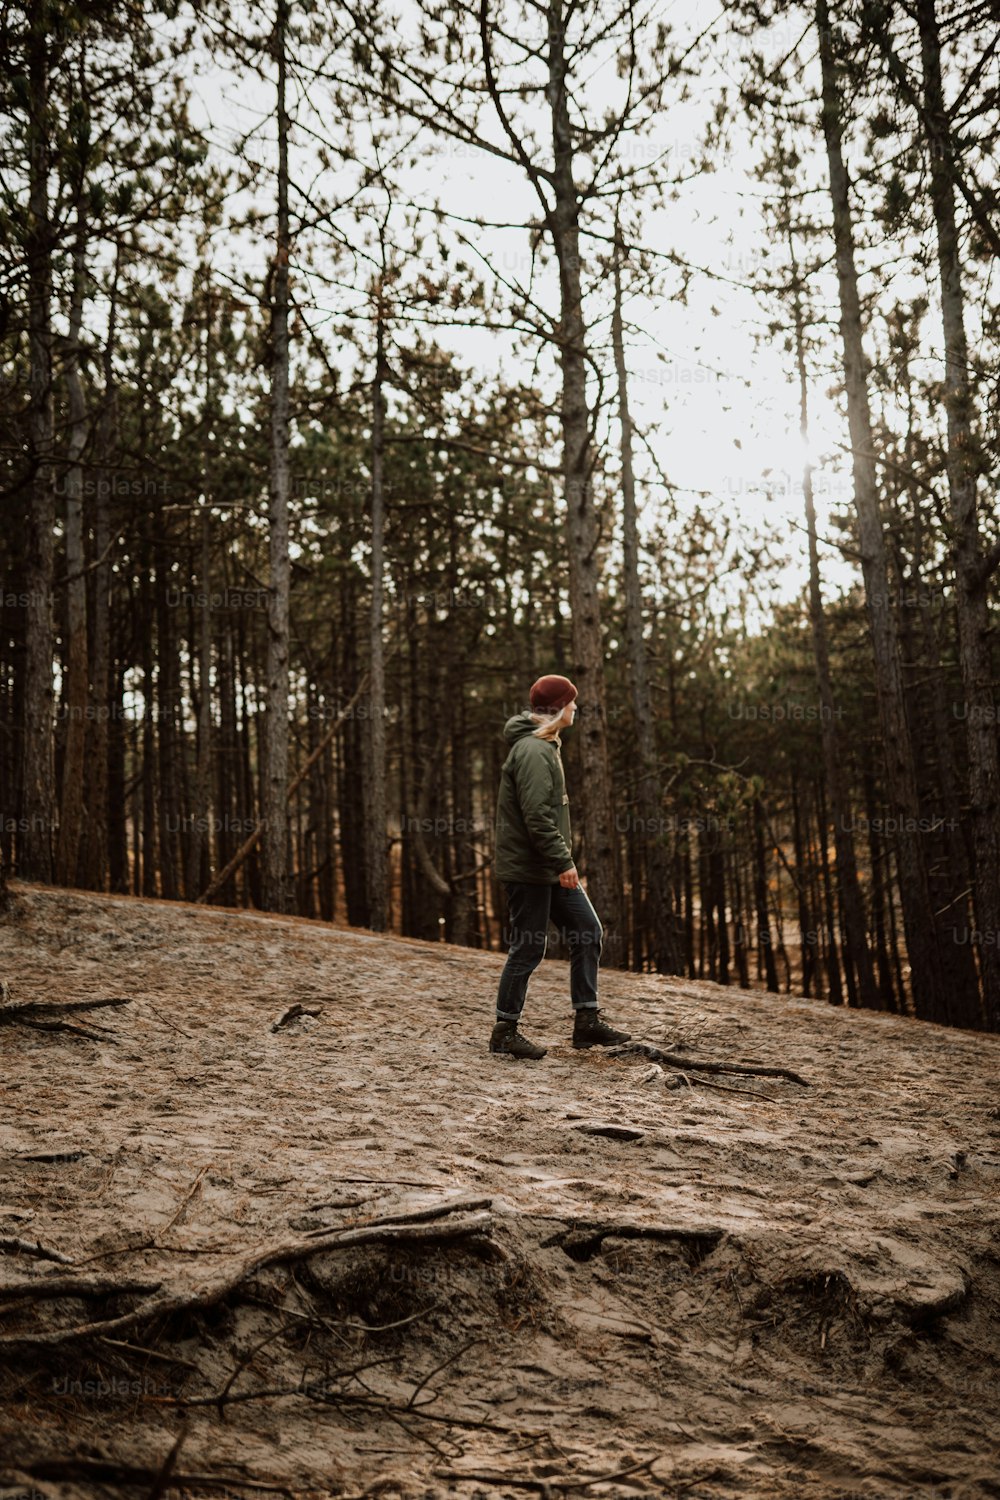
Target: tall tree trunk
99, 809
114, 832
595, 796
881, 893
199, 857
970, 595
835, 992
461, 855
375, 822
722, 905
311, 797
706, 924
77, 669
326, 792
765, 942
929, 992
247, 673
687, 888
143, 630
169, 729
857, 955
34, 855
11, 758
234, 821
807, 947
658, 906
741, 930
949, 851
276, 885
350, 787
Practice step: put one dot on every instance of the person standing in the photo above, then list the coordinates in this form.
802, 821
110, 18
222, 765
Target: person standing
534, 863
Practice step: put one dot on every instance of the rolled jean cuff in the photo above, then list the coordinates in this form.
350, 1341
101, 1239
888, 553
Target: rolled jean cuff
504, 1015
585, 1005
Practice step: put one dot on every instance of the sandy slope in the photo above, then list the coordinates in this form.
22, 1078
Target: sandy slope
786, 1292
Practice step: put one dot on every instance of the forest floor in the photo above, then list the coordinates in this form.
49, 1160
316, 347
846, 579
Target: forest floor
353, 1254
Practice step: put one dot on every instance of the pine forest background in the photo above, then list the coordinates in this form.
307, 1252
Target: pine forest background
249, 463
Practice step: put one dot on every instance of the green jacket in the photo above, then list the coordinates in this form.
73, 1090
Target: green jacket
533, 839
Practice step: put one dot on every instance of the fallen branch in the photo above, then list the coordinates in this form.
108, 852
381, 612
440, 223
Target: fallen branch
17, 1009
678, 1060
14, 1246
222, 1282
33, 1013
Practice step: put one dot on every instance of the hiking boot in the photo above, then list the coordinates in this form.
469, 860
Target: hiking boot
590, 1031
507, 1039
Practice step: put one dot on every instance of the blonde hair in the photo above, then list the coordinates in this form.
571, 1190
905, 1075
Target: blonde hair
549, 725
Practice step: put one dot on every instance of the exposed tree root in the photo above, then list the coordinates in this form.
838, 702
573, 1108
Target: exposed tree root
417, 1215
704, 1065
454, 1224
581, 1238
43, 1287
46, 1015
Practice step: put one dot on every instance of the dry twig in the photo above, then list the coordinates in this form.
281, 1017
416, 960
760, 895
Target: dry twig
186, 1199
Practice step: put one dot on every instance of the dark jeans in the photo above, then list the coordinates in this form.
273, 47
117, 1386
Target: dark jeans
530, 908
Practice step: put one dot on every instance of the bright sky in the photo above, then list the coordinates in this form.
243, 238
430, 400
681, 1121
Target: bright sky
720, 406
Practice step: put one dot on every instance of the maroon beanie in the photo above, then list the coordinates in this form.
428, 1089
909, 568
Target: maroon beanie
550, 694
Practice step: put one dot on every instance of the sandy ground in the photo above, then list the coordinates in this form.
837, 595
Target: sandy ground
667, 1284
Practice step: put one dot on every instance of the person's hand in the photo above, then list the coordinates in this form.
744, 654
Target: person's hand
570, 877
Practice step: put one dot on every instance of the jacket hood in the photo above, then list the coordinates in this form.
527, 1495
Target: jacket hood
517, 727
